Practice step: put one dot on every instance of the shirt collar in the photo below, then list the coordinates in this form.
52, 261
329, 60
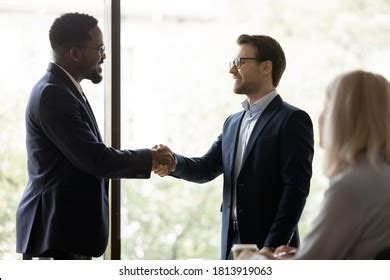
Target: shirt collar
260, 104
77, 85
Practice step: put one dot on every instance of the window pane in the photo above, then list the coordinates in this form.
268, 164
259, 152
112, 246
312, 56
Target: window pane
176, 90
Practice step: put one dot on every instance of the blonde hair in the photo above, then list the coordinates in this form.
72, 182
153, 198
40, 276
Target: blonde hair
356, 121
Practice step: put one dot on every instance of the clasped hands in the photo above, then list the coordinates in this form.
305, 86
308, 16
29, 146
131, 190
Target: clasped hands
283, 252
163, 161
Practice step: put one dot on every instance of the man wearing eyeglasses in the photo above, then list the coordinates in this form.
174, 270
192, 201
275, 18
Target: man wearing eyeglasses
265, 154
64, 212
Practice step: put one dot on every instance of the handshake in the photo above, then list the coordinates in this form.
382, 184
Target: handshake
163, 161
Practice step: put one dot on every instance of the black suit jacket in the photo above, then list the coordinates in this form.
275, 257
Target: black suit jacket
274, 180
65, 203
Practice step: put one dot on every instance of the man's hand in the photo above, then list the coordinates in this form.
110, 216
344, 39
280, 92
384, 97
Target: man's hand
284, 252
267, 252
163, 160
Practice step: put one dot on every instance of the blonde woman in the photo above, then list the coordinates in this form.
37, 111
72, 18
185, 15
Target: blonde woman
354, 221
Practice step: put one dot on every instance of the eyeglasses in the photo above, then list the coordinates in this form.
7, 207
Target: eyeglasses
238, 62
100, 49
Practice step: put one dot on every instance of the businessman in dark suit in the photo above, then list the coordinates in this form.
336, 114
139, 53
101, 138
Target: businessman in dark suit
64, 212
265, 154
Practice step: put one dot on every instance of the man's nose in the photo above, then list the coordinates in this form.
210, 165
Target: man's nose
233, 70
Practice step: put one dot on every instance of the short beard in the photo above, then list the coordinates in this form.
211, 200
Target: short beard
244, 89
95, 77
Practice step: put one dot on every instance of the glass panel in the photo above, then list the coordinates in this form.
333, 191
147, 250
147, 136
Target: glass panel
176, 90
26, 52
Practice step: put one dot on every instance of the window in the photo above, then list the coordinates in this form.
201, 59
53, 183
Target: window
176, 90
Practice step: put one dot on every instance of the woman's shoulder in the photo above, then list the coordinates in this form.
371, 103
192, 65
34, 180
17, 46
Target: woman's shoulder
361, 179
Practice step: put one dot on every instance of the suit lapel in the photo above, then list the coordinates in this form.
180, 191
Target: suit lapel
264, 118
60, 74
232, 138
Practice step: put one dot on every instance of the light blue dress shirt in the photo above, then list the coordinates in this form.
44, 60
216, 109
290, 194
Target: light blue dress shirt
252, 114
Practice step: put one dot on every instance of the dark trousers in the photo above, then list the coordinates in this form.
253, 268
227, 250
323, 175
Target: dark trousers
56, 255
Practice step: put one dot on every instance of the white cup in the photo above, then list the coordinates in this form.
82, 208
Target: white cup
238, 248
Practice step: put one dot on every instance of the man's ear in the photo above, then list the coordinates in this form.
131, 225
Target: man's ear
267, 67
74, 54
